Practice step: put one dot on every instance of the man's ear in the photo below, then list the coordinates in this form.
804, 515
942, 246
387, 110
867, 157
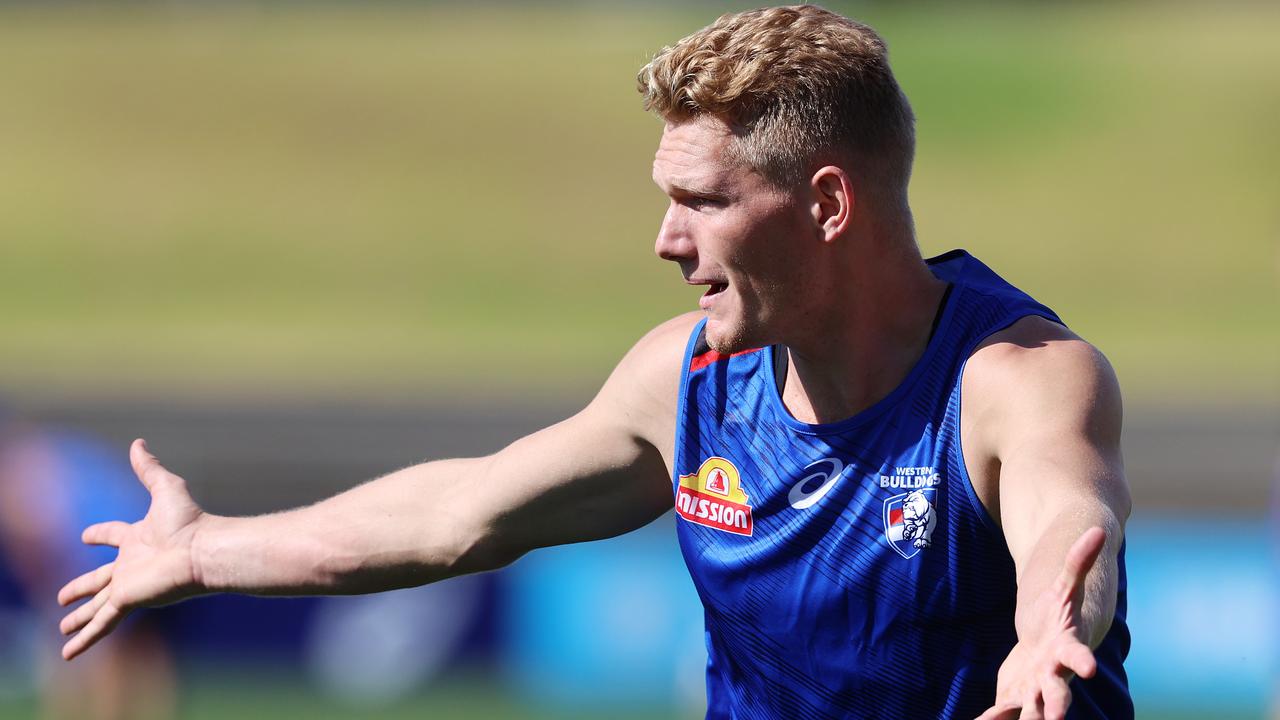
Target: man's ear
831, 196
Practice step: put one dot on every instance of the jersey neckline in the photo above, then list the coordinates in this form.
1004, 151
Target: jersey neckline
942, 321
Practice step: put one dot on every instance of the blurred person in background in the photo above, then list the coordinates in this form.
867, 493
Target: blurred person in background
52, 482
852, 558
1275, 577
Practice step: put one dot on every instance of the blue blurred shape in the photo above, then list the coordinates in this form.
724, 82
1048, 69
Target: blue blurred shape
1202, 609
376, 649
619, 621
615, 621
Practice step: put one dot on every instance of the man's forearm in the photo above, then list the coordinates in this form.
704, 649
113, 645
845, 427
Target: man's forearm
408, 528
1045, 562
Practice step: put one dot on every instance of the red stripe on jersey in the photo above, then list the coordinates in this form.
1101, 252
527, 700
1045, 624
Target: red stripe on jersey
710, 357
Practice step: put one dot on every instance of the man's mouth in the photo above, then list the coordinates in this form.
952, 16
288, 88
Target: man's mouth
708, 297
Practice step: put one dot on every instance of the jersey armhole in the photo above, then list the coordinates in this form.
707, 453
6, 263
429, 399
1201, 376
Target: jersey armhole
681, 401
958, 447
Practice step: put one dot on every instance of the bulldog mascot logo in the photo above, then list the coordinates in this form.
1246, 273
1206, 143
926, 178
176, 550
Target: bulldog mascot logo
909, 521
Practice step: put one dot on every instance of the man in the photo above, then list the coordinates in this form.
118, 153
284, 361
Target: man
854, 557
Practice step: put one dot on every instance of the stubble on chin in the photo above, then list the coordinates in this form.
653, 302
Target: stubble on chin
746, 329
727, 338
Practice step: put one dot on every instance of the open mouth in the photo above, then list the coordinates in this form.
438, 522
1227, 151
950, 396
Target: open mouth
709, 296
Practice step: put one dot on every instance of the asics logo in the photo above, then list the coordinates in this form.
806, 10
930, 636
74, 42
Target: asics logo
801, 498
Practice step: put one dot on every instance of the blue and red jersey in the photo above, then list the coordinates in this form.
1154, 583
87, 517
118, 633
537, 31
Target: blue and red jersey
848, 569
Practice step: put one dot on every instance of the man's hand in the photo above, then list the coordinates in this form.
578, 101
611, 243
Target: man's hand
153, 566
1051, 649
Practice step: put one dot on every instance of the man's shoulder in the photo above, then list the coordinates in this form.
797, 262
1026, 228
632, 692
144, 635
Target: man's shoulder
672, 334
1034, 350
660, 350
1034, 371
649, 374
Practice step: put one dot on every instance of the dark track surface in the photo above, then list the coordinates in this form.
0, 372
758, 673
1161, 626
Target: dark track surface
245, 457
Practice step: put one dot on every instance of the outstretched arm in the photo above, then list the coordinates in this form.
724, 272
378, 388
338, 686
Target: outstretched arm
600, 473
1047, 426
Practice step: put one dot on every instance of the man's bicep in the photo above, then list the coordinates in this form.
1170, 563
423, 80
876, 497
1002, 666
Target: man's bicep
582, 479
600, 473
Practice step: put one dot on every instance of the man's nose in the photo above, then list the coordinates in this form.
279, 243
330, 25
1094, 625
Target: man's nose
673, 242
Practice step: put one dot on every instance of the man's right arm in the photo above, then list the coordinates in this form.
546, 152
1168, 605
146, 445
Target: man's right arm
600, 473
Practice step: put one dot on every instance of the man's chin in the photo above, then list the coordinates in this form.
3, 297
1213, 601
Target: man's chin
728, 338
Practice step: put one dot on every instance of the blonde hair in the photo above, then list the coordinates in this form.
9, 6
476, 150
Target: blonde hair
793, 82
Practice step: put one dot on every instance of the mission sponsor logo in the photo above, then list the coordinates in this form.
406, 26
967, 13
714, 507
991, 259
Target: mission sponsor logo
714, 497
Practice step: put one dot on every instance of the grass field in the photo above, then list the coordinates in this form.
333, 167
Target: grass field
249, 699
364, 200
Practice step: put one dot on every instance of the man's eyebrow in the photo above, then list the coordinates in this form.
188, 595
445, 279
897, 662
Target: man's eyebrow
685, 186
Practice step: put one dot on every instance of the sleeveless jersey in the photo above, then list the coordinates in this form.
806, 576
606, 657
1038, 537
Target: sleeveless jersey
848, 569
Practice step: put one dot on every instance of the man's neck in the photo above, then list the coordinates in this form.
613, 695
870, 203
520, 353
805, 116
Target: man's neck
867, 345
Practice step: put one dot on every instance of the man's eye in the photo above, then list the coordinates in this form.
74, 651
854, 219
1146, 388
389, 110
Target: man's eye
697, 203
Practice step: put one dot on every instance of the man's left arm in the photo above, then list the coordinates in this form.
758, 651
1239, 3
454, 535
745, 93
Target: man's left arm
1050, 420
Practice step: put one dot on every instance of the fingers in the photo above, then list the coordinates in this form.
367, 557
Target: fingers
107, 533
1077, 657
145, 465
1057, 697
1032, 708
87, 584
103, 622
1001, 711
1082, 555
83, 614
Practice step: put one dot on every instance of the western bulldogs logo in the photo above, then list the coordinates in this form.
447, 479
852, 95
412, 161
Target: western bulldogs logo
909, 521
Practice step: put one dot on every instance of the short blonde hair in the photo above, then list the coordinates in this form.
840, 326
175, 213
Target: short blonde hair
794, 82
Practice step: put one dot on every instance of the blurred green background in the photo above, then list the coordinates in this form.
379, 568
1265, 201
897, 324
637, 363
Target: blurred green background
398, 202
351, 199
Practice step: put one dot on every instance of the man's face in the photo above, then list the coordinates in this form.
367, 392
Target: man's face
730, 229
